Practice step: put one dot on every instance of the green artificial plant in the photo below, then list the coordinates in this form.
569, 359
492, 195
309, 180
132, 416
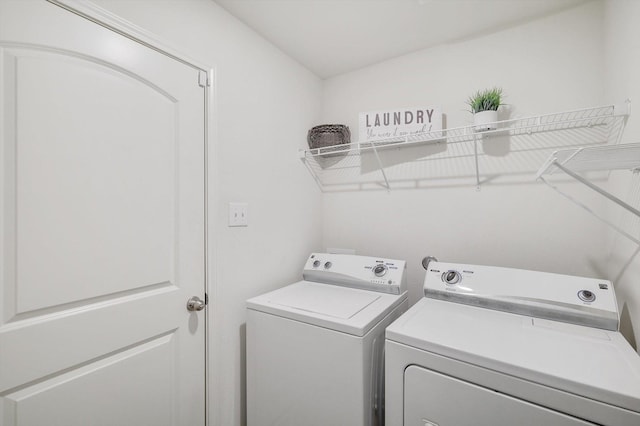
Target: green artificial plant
485, 100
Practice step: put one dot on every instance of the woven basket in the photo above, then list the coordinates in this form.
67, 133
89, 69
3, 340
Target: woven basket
329, 135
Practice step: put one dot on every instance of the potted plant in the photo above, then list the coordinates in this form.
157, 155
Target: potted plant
484, 106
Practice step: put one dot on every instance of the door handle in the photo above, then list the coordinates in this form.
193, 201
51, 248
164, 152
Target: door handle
195, 304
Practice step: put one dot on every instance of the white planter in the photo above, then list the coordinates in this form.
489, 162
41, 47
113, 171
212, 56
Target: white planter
485, 120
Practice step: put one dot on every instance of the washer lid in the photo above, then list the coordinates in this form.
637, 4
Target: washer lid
349, 310
318, 299
593, 363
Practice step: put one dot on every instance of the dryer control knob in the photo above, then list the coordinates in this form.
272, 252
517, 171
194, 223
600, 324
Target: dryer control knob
327, 265
586, 296
379, 270
316, 263
451, 277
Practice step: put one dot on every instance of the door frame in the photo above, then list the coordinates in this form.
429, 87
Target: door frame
91, 11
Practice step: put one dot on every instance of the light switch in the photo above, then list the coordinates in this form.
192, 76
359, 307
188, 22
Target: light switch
238, 214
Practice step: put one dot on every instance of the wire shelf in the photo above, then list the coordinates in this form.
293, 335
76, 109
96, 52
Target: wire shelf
516, 147
610, 157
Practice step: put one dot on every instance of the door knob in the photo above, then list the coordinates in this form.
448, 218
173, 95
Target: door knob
195, 304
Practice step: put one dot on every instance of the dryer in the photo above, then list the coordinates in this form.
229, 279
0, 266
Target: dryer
315, 347
499, 346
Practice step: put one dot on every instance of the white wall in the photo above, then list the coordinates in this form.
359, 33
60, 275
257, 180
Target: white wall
548, 65
622, 79
265, 104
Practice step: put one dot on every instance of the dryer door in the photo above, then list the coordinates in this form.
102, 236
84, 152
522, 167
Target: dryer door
434, 399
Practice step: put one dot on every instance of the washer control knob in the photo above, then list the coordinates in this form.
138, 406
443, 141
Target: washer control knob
316, 263
327, 265
451, 277
379, 270
586, 296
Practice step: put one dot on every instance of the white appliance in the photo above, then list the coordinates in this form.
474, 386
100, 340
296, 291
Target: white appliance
315, 347
497, 346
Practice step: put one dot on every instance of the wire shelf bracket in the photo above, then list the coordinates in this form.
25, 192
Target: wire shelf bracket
604, 158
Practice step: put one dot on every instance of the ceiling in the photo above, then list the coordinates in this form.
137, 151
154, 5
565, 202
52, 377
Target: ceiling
332, 37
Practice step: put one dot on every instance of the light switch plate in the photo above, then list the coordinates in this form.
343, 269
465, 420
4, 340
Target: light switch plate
238, 214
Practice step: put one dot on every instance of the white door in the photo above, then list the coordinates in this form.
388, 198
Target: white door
101, 226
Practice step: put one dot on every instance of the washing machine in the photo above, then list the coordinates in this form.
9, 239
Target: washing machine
315, 347
503, 347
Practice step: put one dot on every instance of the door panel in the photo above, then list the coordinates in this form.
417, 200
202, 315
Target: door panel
432, 398
137, 367
121, 126
102, 226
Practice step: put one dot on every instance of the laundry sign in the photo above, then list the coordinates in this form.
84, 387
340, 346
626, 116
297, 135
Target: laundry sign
399, 123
